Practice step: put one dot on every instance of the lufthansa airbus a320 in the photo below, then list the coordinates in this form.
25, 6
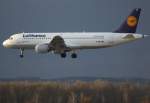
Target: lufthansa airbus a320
62, 43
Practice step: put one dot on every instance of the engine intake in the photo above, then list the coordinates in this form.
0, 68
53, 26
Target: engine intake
42, 48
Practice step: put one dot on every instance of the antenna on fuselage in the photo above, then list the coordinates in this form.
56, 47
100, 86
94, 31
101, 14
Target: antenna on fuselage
83, 29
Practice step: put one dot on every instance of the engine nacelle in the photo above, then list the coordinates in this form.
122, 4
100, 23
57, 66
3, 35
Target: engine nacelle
42, 48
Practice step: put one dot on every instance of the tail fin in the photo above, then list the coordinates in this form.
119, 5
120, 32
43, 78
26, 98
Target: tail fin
131, 22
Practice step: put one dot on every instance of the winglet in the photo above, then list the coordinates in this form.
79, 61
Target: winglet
131, 22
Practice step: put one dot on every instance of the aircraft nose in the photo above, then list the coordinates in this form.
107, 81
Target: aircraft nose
4, 44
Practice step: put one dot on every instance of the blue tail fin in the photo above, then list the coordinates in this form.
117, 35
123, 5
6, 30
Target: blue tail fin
131, 22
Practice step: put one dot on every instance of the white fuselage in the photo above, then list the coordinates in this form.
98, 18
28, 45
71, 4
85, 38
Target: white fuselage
76, 40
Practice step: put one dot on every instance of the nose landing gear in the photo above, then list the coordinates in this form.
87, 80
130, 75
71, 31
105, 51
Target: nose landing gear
21, 53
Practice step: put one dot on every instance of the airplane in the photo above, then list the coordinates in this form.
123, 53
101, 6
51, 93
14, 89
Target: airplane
64, 42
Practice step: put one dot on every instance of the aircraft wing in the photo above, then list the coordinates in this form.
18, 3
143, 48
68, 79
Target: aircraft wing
58, 44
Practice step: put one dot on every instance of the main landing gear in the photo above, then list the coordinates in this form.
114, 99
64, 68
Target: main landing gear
73, 55
63, 55
21, 53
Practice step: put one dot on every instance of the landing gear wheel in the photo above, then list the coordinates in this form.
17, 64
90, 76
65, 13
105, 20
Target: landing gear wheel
63, 55
74, 55
21, 56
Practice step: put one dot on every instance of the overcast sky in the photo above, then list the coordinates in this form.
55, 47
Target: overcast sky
129, 60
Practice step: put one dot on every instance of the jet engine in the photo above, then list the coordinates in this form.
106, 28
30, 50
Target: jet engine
42, 48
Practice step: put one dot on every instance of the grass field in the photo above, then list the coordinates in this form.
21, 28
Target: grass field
97, 91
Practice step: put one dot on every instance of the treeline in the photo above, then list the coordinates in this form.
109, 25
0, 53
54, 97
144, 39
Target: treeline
76, 92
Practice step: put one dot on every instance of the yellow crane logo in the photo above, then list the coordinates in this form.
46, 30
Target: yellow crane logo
132, 21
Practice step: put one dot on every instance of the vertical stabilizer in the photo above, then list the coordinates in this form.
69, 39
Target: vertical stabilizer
131, 22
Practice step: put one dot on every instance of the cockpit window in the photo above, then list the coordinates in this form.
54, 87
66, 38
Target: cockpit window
11, 38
